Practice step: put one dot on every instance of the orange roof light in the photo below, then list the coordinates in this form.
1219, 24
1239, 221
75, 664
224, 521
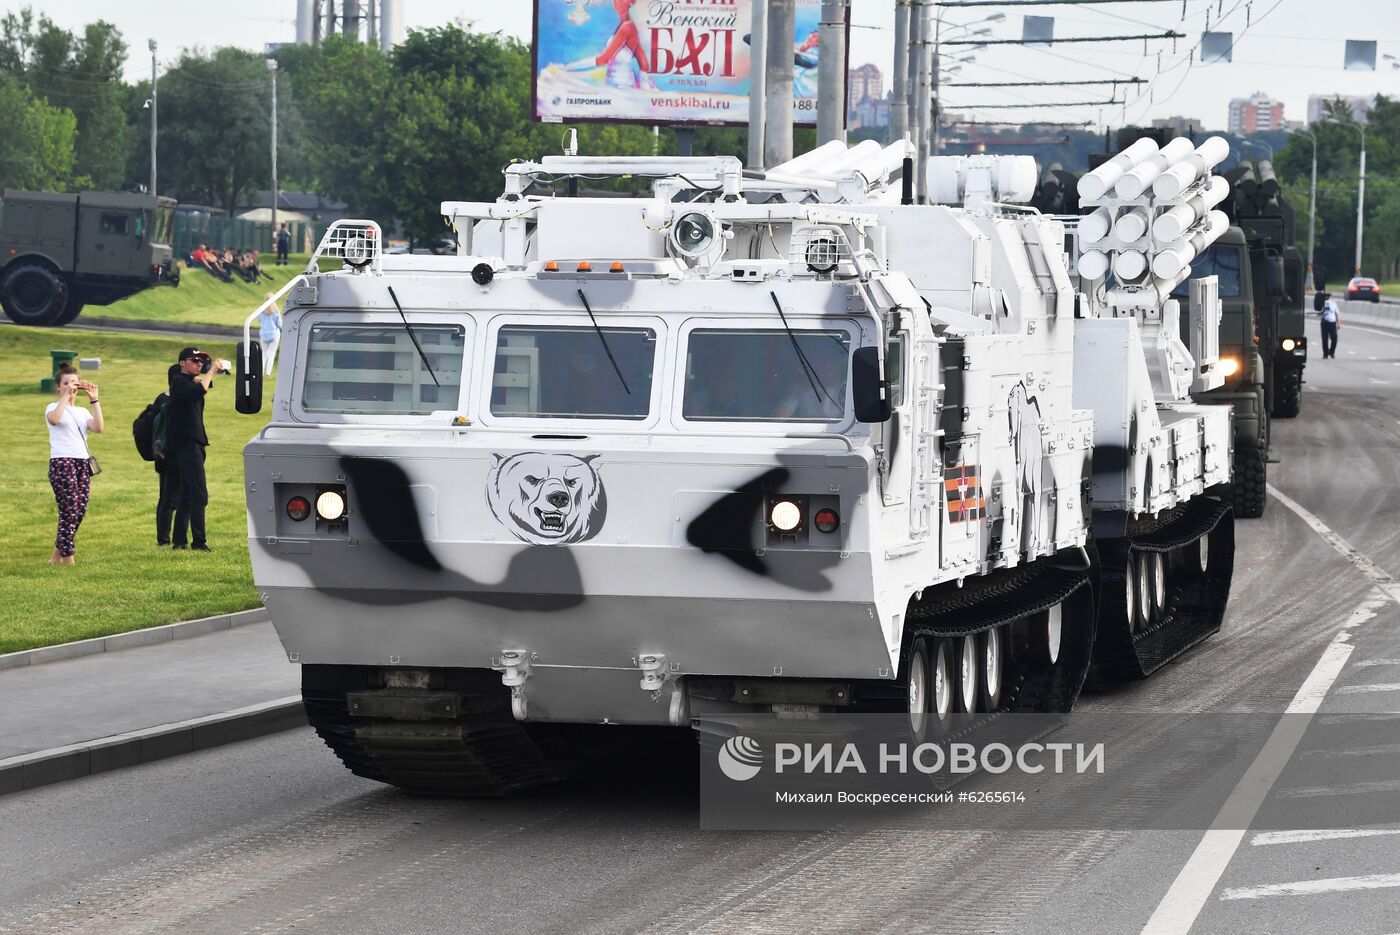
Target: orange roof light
584, 266
551, 267
616, 266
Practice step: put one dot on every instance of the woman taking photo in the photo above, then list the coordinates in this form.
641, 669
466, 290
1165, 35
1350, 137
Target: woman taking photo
70, 467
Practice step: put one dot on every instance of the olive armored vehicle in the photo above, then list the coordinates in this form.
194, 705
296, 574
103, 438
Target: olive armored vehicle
61, 252
754, 442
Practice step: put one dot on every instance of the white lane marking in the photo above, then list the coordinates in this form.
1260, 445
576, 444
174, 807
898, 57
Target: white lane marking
1344, 548
1367, 663
1307, 837
1384, 334
1187, 896
1374, 881
1380, 749
1356, 788
1379, 382
1365, 689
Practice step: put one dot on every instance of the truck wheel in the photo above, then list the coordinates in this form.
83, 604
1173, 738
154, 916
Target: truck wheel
1288, 396
33, 294
1250, 483
72, 310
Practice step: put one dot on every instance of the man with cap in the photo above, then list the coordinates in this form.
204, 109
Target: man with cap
186, 440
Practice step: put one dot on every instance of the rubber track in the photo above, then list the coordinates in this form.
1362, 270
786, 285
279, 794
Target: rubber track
1195, 600
482, 751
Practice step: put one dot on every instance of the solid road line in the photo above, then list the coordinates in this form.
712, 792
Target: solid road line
1187, 896
1307, 837
1372, 881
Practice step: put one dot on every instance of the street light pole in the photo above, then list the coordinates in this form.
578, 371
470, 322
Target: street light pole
1310, 285
152, 44
272, 72
1360, 188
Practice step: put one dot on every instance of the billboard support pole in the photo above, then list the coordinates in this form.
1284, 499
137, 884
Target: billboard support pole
758, 57
831, 73
685, 141
782, 24
899, 102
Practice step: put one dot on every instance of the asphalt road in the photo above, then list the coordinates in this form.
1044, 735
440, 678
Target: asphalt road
273, 836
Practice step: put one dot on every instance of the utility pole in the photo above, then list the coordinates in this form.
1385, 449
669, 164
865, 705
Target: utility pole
151, 43
831, 73
899, 93
1361, 201
936, 100
782, 23
758, 58
1311, 285
272, 70
923, 98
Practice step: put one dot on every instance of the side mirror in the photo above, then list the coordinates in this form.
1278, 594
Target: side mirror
868, 386
1273, 273
248, 379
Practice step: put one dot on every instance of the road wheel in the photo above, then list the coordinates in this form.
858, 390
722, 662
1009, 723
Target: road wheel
1157, 576
1130, 599
1203, 545
71, 311
1250, 483
33, 294
992, 651
1288, 395
918, 689
1144, 590
941, 660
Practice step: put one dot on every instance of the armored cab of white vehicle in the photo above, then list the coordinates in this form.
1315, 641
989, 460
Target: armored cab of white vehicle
747, 442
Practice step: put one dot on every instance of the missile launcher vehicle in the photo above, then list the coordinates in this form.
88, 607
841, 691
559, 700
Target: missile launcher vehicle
779, 441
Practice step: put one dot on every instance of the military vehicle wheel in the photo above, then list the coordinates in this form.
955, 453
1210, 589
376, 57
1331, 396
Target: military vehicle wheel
71, 311
1130, 601
942, 680
918, 690
1288, 397
968, 658
992, 649
1250, 483
1054, 619
1146, 613
1157, 574
33, 294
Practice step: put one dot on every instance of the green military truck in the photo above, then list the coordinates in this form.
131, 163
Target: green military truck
1257, 206
60, 252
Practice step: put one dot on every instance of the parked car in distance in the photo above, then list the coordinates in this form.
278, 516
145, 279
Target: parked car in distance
1363, 289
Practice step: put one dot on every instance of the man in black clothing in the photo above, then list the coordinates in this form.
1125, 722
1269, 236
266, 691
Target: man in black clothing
284, 244
186, 441
169, 475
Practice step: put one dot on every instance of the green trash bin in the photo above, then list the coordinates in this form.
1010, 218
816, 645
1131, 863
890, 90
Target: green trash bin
57, 358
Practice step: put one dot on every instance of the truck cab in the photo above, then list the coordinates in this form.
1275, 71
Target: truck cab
60, 252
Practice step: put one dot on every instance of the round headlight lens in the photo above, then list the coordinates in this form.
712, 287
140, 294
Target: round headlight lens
694, 234
330, 505
786, 516
298, 508
826, 520
1289, 344
1229, 366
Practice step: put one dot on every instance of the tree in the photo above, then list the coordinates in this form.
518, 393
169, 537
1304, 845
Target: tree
36, 149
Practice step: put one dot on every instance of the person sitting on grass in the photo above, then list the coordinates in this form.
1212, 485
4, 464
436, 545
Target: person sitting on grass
207, 259
70, 466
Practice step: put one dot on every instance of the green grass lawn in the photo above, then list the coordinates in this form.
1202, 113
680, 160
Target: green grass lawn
121, 581
200, 299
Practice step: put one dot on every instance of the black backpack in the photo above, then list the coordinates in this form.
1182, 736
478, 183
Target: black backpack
149, 429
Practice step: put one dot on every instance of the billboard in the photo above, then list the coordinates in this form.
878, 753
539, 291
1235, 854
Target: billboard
667, 62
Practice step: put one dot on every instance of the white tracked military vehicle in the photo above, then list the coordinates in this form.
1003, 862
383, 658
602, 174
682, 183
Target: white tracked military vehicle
757, 440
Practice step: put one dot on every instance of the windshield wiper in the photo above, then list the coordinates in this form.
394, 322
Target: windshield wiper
818, 389
414, 338
604, 341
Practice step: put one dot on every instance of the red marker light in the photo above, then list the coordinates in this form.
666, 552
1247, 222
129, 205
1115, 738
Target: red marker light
298, 508
826, 521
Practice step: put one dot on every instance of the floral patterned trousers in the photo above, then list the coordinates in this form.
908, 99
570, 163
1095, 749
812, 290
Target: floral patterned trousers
71, 484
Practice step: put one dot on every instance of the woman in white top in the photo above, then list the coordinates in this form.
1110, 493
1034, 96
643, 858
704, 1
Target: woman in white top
69, 472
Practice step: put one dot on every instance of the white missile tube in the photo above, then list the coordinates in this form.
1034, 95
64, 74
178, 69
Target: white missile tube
1094, 185
1131, 225
1174, 222
1129, 265
1095, 227
1093, 264
1140, 177
1178, 177
1171, 263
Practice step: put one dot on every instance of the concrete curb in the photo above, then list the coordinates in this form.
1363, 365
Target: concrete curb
106, 644
126, 324
31, 770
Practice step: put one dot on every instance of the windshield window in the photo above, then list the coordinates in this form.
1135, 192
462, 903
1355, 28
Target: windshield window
164, 220
1222, 261
375, 369
563, 372
757, 376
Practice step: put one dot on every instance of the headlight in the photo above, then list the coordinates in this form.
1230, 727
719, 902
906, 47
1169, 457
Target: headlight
1230, 366
1289, 344
330, 505
785, 516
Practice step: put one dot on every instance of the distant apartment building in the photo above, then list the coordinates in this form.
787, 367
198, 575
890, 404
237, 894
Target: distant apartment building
866, 103
1255, 113
1183, 125
1359, 104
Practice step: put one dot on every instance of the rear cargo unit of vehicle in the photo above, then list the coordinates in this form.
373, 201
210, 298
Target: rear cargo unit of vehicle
60, 252
787, 441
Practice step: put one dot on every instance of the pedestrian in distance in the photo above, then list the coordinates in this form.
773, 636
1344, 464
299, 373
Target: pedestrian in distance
168, 473
269, 333
186, 441
284, 245
71, 465
1331, 315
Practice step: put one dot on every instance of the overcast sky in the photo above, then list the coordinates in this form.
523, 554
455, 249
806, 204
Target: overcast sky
1289, 49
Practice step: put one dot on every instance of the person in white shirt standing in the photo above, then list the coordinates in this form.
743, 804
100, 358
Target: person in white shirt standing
269, 335
1331, 322
70, 470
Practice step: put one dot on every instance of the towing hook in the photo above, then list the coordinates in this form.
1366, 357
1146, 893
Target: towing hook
514, 666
